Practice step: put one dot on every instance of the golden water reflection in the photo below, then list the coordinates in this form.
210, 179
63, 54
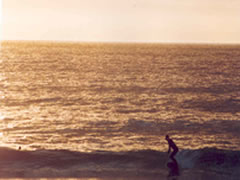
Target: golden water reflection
111, 97
197, 141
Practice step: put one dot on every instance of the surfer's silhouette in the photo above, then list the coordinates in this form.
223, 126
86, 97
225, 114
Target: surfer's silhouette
173, 146
173, 166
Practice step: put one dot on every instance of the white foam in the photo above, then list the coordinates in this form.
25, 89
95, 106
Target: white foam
187, 159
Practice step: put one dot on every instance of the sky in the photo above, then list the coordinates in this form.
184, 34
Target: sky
207, 21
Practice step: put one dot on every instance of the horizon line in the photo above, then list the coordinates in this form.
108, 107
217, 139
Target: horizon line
123, 42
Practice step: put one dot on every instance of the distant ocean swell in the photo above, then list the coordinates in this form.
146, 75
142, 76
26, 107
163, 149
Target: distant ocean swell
103, 105
63, 163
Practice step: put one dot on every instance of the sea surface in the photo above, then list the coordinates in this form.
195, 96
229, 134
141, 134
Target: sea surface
102, 110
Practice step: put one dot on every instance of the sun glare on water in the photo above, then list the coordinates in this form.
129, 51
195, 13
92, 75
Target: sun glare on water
1, 119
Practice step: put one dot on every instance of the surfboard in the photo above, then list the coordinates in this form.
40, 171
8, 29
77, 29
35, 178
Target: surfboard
173, 168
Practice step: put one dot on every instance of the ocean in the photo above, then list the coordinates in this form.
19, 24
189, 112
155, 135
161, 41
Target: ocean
102, 110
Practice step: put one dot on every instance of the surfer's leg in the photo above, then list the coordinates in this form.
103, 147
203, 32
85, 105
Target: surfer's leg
173, 154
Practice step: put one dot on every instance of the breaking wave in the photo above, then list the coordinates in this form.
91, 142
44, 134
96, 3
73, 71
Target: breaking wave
64, 163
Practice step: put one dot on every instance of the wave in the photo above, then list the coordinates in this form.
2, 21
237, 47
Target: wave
160, 126
64, 163
209, 157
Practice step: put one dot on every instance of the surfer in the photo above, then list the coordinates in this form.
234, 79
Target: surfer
173, 146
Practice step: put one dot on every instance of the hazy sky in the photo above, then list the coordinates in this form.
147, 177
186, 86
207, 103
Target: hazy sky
122, 20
